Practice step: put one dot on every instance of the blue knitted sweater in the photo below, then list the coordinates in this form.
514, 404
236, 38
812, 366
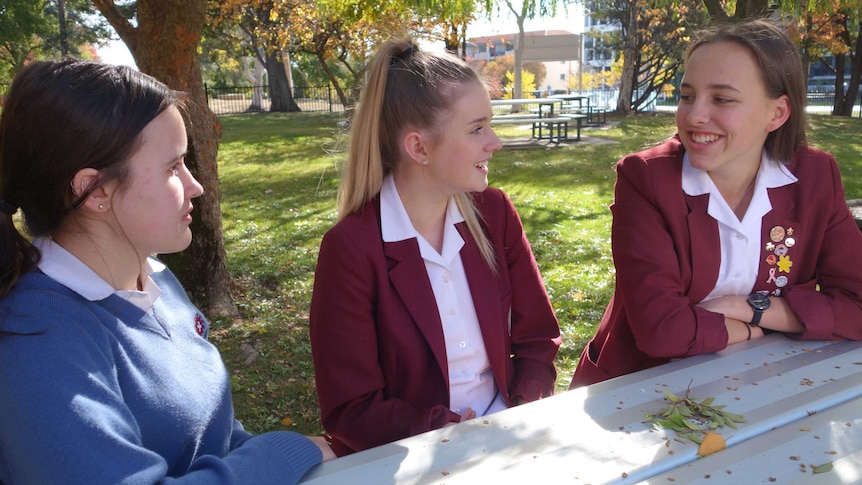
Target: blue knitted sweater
104, 393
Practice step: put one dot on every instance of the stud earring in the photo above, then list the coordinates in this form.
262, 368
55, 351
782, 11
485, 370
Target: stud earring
101, 206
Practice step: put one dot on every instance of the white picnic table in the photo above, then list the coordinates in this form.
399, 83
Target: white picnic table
540, 102
600, 434
544, 124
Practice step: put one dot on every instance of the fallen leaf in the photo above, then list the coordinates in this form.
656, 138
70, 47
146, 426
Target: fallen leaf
823, 468
712, 442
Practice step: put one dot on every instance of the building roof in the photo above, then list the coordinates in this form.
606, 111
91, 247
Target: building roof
502, 37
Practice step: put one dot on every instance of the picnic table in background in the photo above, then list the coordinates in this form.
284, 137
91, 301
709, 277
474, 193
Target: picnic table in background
545, 124
800, 403
595, 115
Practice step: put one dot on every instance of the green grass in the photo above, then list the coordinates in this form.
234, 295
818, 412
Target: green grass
279, 177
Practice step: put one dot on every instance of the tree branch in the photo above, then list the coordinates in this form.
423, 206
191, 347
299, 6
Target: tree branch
127, 32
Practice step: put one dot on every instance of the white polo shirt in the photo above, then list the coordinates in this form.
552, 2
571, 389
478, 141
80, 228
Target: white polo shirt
471, 381
739, 241
65, 268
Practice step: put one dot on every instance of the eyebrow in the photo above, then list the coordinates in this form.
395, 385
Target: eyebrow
177, 157
713, 86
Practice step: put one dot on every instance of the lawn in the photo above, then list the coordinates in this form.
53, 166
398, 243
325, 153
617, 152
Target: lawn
279, 178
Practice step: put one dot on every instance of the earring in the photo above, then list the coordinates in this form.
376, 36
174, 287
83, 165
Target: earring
424, 162
101, 206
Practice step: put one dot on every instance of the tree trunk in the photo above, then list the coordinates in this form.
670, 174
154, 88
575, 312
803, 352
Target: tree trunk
847, 97
164, 45
334, 80
255, 77
280, 97
628, 77
517, 89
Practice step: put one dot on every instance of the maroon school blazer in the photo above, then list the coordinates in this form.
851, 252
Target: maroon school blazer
377, 340
666, 255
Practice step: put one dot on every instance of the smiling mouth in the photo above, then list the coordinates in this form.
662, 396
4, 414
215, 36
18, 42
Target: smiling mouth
482, 165
705, 139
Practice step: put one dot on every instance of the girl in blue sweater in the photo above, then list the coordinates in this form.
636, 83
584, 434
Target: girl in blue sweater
106, 375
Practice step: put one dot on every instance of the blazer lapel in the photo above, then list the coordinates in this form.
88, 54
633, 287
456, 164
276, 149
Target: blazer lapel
409, 278
705, 248
484, 289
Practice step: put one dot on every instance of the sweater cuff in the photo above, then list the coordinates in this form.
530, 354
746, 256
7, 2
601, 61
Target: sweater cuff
299, 452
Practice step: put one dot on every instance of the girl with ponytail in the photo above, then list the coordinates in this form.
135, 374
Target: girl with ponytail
428, 307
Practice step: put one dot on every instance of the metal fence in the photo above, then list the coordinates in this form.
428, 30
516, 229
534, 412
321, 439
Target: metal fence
252, 99
819, 103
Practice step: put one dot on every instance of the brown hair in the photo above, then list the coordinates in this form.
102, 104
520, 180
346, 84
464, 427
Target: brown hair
781, 70
60, 117
405, 88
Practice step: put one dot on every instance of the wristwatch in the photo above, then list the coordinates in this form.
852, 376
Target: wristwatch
759, 303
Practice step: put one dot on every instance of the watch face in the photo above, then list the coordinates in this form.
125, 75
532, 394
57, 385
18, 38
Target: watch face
758, 301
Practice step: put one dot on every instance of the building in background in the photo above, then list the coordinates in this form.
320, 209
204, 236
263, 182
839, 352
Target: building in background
559, 51
598, 55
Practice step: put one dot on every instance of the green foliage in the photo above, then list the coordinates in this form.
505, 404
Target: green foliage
31, 30
279, 178
690, 416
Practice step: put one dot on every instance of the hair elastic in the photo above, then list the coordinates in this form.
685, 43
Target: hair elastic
405, 54
7, 208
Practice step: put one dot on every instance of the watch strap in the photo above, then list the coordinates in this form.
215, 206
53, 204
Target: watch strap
755, 320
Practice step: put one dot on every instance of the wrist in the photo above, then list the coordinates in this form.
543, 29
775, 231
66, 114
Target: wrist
758, 303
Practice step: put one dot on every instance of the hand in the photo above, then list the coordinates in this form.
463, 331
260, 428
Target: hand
735, 307
778, 317
468, 415
321, 443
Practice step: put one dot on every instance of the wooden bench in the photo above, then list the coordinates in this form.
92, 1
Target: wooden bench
557, 129
554, 129
596, 116
578, 118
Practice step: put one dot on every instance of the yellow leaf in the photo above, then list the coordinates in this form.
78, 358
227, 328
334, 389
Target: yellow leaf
286, 422
712, 443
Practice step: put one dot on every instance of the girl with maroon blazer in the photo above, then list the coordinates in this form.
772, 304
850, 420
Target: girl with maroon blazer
428, 307
734, 227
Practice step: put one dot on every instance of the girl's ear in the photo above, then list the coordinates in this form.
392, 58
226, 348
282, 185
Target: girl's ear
414, 147
97, 200
780, 112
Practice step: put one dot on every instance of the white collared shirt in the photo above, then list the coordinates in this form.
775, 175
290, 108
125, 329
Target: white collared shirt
63, 267
739, 241
471, 381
